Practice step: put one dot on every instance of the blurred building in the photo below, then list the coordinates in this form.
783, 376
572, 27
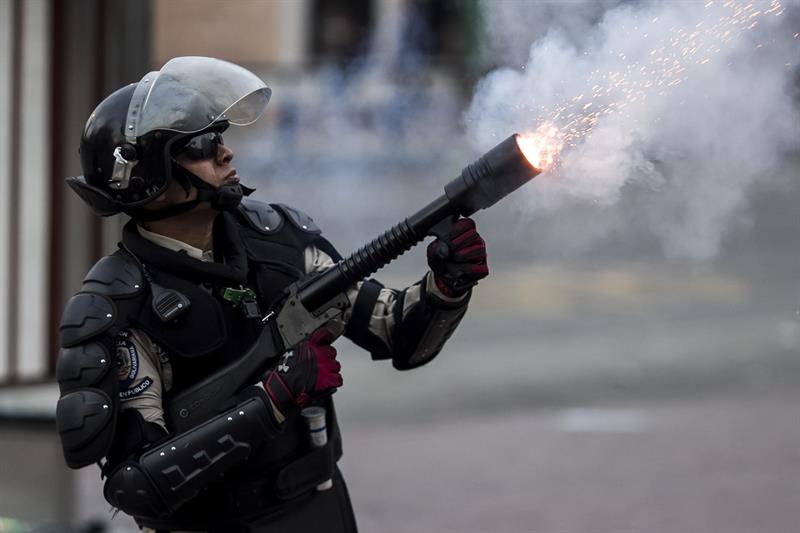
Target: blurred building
58, 59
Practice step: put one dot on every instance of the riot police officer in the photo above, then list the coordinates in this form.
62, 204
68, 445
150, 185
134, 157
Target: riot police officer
198, 264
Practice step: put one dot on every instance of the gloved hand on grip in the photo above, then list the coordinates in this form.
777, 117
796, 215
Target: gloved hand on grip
458, 260
309, 372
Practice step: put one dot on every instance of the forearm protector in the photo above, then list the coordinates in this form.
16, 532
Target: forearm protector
421, 334
172, 472
420, 329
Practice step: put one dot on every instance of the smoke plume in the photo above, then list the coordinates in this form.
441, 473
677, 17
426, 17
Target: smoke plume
679, 109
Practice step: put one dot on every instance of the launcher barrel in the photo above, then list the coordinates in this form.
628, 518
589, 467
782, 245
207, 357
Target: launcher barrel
498, 173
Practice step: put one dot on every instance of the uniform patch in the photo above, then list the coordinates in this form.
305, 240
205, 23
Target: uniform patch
127, 360
137, 390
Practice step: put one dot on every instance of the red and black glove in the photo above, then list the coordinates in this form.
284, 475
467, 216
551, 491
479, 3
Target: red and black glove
458, 260
309, 372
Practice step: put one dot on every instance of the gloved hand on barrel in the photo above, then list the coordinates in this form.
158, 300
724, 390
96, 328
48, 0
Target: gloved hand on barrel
458, 259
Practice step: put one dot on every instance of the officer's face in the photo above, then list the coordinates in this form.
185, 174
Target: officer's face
216, 170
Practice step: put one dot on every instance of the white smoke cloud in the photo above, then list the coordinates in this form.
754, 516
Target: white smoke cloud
679, 159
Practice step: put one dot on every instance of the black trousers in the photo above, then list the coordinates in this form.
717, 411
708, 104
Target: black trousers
328, 511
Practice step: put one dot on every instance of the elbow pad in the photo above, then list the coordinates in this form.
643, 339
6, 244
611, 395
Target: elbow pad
422, 333
174, 471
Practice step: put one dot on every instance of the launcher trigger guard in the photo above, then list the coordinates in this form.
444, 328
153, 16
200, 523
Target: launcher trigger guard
443, 229
296, 323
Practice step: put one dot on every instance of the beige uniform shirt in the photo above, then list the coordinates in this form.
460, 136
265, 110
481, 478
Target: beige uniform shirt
144, 369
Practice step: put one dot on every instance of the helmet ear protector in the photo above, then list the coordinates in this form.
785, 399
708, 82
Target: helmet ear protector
125, 158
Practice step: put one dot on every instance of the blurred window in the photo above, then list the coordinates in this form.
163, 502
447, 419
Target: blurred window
340, 30
435, 27
445, 33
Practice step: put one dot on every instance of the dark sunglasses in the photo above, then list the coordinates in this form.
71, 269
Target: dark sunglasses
203, 146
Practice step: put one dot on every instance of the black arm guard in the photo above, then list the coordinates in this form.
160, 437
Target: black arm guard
86, 413
418, 337
176, 470
421, 334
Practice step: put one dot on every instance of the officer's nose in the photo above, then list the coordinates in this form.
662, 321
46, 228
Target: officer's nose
224, 155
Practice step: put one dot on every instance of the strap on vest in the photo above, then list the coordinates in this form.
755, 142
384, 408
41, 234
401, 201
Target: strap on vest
358, 325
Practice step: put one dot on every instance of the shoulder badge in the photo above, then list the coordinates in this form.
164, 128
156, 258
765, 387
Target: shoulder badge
127, 360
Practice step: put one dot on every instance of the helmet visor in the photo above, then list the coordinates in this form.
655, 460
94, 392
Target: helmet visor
189, 94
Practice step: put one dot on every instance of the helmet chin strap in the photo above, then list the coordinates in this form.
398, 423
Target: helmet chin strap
223, 198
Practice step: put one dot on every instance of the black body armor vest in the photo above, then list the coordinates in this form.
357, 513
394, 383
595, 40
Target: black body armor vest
259, 247
210, 330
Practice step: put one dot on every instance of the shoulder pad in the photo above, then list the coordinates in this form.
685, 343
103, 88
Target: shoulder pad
114, 276
299, 219
261, 216
83, 365
85, 316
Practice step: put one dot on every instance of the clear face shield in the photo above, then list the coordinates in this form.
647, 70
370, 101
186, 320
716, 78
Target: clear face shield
188, 95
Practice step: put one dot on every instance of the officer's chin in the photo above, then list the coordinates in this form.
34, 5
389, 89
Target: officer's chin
229, 195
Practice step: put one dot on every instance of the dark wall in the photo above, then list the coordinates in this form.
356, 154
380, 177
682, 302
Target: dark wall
98, 46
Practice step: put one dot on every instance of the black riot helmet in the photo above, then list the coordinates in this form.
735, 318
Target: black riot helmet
130, 139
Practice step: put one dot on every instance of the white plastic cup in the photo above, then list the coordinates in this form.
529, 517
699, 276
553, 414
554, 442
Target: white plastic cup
317, 430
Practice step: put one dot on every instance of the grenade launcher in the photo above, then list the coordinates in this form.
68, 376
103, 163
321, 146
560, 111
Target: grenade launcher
311, 303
